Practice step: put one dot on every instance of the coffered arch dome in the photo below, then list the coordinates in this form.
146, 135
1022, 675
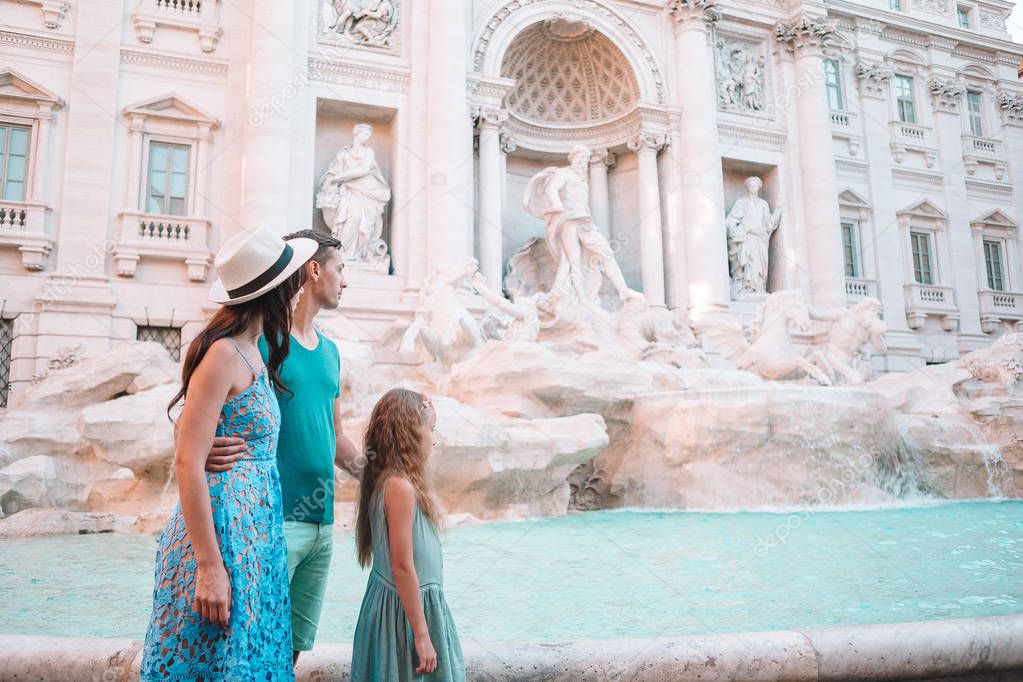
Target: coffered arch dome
566, 71
514, 17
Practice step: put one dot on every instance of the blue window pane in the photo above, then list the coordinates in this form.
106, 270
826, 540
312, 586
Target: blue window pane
180, 159
15, 191
168, 179
19, 141
157, 157
14, 158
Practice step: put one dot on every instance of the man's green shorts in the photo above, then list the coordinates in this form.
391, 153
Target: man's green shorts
310, 546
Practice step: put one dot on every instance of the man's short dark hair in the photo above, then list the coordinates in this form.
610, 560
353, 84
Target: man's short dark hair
327, 243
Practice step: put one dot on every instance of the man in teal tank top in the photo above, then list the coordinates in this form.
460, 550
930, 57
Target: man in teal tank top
311, 441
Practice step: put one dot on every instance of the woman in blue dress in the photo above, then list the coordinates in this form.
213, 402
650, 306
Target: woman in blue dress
220, 599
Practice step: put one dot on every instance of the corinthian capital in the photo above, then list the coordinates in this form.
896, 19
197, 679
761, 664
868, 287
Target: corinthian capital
946, 93
489, 116
804, 32
647, 140
686, 11
601, 155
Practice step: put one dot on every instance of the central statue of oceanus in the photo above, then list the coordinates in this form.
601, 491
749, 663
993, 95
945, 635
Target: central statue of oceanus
560, 197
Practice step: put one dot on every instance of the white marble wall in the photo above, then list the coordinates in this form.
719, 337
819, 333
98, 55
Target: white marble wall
276, 63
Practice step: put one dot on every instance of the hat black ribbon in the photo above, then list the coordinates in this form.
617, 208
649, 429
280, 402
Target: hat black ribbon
268, 275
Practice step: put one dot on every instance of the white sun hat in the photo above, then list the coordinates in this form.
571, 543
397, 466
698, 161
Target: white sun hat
252, 263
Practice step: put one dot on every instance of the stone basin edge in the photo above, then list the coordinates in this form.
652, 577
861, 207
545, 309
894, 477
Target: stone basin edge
921, 650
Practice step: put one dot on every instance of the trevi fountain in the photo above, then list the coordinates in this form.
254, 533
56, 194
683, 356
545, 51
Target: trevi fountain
717, 298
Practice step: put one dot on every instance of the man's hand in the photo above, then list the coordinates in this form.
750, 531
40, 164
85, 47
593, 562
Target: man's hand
225, 452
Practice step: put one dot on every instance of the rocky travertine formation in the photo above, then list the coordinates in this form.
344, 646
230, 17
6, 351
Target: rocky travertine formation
525, 428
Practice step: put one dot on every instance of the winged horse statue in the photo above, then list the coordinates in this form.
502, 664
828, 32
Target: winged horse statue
767, 349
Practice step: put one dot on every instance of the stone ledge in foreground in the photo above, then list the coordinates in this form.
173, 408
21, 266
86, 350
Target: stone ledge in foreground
989, 648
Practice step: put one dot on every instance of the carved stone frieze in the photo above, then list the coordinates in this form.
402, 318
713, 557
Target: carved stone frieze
740, 68
361, 22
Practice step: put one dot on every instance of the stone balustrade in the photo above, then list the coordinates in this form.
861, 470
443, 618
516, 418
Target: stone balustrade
999, 306
928, 299
842, 119
169, 237
857, 288
913, 137
23, 226
201, 16
978, 150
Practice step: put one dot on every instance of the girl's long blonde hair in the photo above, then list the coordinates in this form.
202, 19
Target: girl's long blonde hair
393, 447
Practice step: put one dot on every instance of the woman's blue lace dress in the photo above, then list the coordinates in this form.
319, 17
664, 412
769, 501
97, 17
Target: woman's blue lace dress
248, 518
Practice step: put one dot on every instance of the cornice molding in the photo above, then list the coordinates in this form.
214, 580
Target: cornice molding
347, 73
173, 62
759, 138
37, 42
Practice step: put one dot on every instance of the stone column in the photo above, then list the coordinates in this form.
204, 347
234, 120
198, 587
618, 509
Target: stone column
675, 279
600, 201
200, 198
73, 306
449, 137
41, 164
410, 261
803, 37
651, 245
266, 175
135, 162
703, 203
946, 101
490, 194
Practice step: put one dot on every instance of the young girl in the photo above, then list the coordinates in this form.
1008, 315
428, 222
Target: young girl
220, 599
405, 629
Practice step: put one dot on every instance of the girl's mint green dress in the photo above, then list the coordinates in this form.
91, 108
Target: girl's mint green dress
384, 650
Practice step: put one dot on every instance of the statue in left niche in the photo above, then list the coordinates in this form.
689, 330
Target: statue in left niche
369, 22
352, 198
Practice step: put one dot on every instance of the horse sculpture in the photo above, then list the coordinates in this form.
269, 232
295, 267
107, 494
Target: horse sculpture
768, 350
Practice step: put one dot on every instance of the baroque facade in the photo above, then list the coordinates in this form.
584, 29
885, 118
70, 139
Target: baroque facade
887, 136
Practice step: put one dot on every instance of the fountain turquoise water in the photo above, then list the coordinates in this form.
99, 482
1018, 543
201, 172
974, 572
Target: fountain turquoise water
605, 575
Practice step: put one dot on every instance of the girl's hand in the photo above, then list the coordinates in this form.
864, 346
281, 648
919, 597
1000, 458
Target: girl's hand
213, 594
427, 656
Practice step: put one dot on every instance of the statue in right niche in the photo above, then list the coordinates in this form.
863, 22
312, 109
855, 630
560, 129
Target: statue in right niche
750, 224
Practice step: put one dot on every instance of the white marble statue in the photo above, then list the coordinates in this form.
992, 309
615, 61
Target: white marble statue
657, 334
750, 225
352, 198
363, 21
560, 196
767, 349
850, 331
442, 327
518, 319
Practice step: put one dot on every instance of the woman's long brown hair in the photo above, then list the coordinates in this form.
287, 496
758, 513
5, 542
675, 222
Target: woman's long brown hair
393, 447
231, 320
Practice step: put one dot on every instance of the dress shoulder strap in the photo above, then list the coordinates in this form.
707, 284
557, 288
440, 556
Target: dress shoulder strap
244, 359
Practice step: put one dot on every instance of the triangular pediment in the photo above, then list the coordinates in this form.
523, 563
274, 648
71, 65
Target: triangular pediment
171, 106
995, 218
924, 209
848, 197
13, 85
